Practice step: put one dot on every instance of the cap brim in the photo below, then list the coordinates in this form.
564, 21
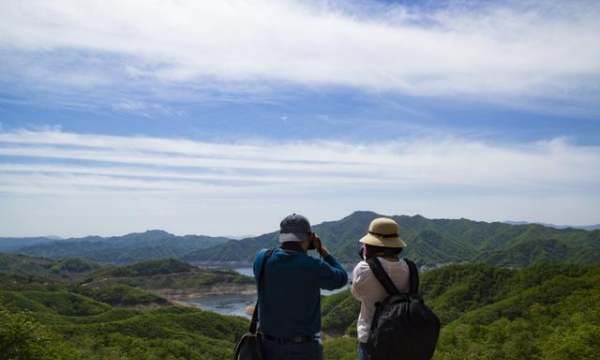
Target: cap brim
394, 242
296, 237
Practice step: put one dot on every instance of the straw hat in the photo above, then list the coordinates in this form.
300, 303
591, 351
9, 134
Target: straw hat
383, 232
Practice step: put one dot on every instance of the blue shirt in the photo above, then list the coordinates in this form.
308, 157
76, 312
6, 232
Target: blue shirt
290, 300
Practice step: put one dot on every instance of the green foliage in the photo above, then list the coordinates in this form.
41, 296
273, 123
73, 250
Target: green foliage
340, 348
170, 274
338, 310
23, 338
153, 244
168, 332
547, 311
543, 312
54, 317
438, 241
148, 268
431, 242
74, 265
120, 295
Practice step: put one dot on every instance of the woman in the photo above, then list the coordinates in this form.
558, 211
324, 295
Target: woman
381, 241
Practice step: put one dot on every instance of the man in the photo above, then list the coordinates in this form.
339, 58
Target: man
381, 241
290, 300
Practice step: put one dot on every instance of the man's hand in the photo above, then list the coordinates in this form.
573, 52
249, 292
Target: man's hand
319, 246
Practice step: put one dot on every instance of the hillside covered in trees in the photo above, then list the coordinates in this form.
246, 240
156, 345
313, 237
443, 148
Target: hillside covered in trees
148, 245
62, 310
542, 312
74, 309
431, 242
438, 241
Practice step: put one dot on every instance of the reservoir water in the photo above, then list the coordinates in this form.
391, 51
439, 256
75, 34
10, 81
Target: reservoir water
235, 304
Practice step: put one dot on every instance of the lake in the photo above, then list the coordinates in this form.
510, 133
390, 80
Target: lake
235, 304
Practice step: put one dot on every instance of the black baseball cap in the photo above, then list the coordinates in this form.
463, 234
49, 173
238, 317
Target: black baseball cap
294, 227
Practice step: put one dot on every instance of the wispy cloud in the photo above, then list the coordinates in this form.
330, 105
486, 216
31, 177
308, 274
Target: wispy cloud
136, 182
495, 50
444, 162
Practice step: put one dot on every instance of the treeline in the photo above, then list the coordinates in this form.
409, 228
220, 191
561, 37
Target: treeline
51, 310
542, 312
431, 242
438, 241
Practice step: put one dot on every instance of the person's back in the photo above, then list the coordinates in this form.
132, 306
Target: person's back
381, 242
367, 289
289, 306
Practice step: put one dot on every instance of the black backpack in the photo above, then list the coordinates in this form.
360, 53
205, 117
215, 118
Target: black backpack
403, 327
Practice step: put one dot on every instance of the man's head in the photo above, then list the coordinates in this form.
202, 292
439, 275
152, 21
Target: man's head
296, 228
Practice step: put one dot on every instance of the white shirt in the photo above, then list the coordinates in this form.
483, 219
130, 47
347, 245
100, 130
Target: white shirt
367, 289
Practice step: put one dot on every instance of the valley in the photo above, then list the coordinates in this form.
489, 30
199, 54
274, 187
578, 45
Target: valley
502, 291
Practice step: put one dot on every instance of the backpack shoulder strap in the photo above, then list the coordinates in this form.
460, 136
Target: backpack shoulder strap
414, 276
382, 276
261, 277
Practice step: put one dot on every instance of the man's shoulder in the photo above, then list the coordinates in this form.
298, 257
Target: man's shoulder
260, 254
311, 260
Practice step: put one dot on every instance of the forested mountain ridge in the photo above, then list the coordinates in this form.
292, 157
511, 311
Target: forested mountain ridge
438, 241
75, 309
152, 244
431, 242
14, 243
542, 312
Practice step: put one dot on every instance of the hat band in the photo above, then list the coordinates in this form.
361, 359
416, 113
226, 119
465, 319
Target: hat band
384, 235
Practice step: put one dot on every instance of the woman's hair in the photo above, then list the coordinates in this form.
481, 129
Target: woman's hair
372, 251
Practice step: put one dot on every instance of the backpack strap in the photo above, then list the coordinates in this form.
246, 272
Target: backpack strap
261, 277
382, 276
414, 276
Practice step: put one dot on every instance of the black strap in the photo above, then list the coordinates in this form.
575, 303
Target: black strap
261, 277
414, 276
387, 283
394, 235
382, 276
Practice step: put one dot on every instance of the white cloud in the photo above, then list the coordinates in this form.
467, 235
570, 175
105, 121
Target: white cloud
445, 161
506, 49
71, 175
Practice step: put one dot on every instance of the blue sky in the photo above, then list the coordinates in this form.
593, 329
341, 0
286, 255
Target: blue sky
120, 116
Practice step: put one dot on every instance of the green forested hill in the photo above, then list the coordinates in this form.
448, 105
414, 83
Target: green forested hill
26, 267
541, 312
62, 325
547, 311
438, 241
153, 244
47, 316
169, 275
431, 242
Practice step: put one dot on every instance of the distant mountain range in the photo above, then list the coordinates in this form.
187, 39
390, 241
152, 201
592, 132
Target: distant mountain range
583, 227
436, 241
152, 244
430, 242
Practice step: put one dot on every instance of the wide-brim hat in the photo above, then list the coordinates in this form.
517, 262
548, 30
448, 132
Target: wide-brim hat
383, 232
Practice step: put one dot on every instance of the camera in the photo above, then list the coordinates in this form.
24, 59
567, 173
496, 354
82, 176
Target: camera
311, 244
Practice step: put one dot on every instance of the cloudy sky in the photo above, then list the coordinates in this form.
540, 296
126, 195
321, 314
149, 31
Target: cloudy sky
220, 117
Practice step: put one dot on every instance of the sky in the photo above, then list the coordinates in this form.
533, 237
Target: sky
222, 117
